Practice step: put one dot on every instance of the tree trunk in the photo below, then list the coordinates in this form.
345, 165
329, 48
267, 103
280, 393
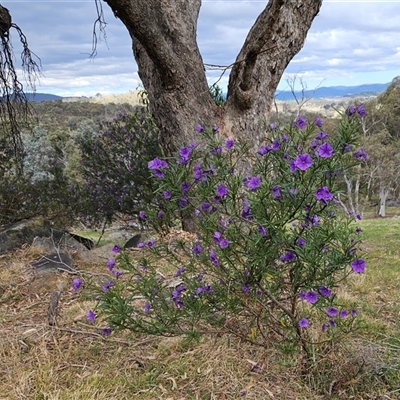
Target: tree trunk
171, 68
383, 193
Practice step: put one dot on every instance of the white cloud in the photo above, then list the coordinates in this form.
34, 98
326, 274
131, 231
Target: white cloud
347, 42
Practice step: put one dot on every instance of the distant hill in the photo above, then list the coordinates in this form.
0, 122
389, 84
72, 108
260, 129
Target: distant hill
42, 97
131, 97
335, 91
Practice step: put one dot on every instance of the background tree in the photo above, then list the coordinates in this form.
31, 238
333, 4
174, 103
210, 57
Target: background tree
14, 105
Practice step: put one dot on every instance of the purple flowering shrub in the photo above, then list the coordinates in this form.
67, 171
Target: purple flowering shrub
271, 246
115, 177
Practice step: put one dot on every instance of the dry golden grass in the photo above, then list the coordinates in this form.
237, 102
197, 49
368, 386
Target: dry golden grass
74, 361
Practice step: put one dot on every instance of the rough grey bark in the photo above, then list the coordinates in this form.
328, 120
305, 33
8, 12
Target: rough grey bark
171, 68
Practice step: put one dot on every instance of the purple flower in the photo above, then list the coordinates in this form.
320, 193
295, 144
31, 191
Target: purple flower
178, 291
197, 249
216, 150
246, 288
346, 148
157, 166
215, 128
262, 230
300, 242
323, 327
358, 230
185, 187
117, 274
273, 126
198, 172
361, 154
229, 144
106, 286
343, 314
106, 331
321, 135
323, 194
318, 122
217, 237
202, 289
176, 295
276, 192
184, 155
288, 257
223, 243
213, 257
76, 284
199, 128
179, 272
311, 297
303, 323
324, 291
276, 145
205, 206
353, 313
246, 212
303, 161
264, 150
325, 150
116, 249
160, 214
150, 243
300, 122
292, 166
183, 202
314, 144
332, 312
91, 316
167, 194
358, 266
222, 190
332, 323
351, 110
142, 215
361, 110
252, 182
110, 264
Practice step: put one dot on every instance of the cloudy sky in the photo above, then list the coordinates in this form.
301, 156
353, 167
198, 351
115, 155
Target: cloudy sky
350, 43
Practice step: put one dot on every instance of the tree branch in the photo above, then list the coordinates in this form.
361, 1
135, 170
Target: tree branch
276, 37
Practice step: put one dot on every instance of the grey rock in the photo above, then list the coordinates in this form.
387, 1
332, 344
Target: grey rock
59, 261
133, 241
24, 232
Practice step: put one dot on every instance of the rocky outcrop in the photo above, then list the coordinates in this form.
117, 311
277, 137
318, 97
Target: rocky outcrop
40, 232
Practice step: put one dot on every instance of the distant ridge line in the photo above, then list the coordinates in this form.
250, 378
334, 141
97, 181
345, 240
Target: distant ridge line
372, 89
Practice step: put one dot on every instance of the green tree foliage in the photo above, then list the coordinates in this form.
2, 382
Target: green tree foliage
114, 174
